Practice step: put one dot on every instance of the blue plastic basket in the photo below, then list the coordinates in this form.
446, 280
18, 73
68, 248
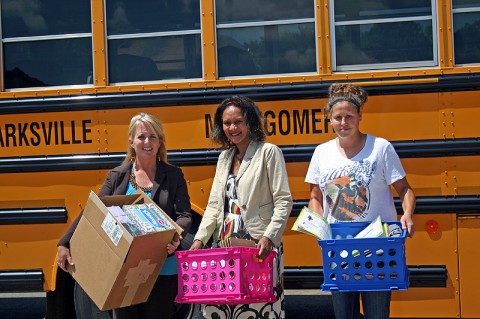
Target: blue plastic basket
363, 264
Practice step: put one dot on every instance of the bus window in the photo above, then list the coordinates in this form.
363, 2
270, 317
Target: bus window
36, 50
273, 38
153, 40
382, 34
466, 24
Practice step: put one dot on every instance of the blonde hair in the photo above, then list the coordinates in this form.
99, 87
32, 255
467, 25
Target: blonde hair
346, 92
156, 126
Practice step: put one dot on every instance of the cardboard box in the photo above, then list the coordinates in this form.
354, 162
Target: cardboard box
114, 268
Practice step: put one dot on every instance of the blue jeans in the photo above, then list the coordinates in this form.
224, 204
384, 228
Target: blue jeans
85, 308
376, 304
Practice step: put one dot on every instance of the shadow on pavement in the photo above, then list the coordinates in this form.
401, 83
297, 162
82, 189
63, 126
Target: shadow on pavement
309, 307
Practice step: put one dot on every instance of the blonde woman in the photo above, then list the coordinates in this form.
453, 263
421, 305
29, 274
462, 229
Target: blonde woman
145, 167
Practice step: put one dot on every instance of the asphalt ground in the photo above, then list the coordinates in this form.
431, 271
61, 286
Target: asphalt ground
304, 304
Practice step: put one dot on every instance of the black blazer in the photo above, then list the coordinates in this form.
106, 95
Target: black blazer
169, 193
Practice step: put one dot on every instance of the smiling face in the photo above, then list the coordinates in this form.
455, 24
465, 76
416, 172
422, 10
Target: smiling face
145, 142
235, 127
345, 119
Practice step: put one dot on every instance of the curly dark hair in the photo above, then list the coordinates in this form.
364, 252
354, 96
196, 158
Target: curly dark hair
251, 113
346, 92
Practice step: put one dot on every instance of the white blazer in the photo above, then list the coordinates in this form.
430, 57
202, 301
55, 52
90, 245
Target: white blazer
262, 189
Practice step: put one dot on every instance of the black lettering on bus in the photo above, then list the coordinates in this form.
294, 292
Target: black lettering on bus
86, 131
270, 125
208, 125
55, 125
47, 136
316, 119
300, 122
22, 136
74, 141
62, 133
10, 134
35, 141
2, 143
284, 120
31, 134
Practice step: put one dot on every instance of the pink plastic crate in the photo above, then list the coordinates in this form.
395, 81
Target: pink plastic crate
231, 275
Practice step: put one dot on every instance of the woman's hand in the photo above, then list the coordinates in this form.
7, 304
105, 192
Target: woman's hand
173, 245
197, 244
266, 246
64, 258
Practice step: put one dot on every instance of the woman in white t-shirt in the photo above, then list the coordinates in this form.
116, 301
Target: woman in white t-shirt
350, 180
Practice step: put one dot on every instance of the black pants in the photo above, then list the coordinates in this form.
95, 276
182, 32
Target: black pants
160, 303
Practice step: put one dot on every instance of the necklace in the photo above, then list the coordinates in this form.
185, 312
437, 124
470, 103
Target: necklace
133, 181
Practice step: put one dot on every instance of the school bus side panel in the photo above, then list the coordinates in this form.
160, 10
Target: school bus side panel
431, 249
33, 246
468, 236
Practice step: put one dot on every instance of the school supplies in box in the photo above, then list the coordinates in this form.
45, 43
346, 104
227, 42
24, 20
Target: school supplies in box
115, 268
140, 219
363, 264
131, 226
234, 242
158, 216
312, 223
147, 218
230, 275
374, 229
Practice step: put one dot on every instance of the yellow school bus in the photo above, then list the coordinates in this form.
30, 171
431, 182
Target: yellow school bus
74, 73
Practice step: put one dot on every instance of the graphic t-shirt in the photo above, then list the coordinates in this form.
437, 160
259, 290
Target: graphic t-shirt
356, 189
